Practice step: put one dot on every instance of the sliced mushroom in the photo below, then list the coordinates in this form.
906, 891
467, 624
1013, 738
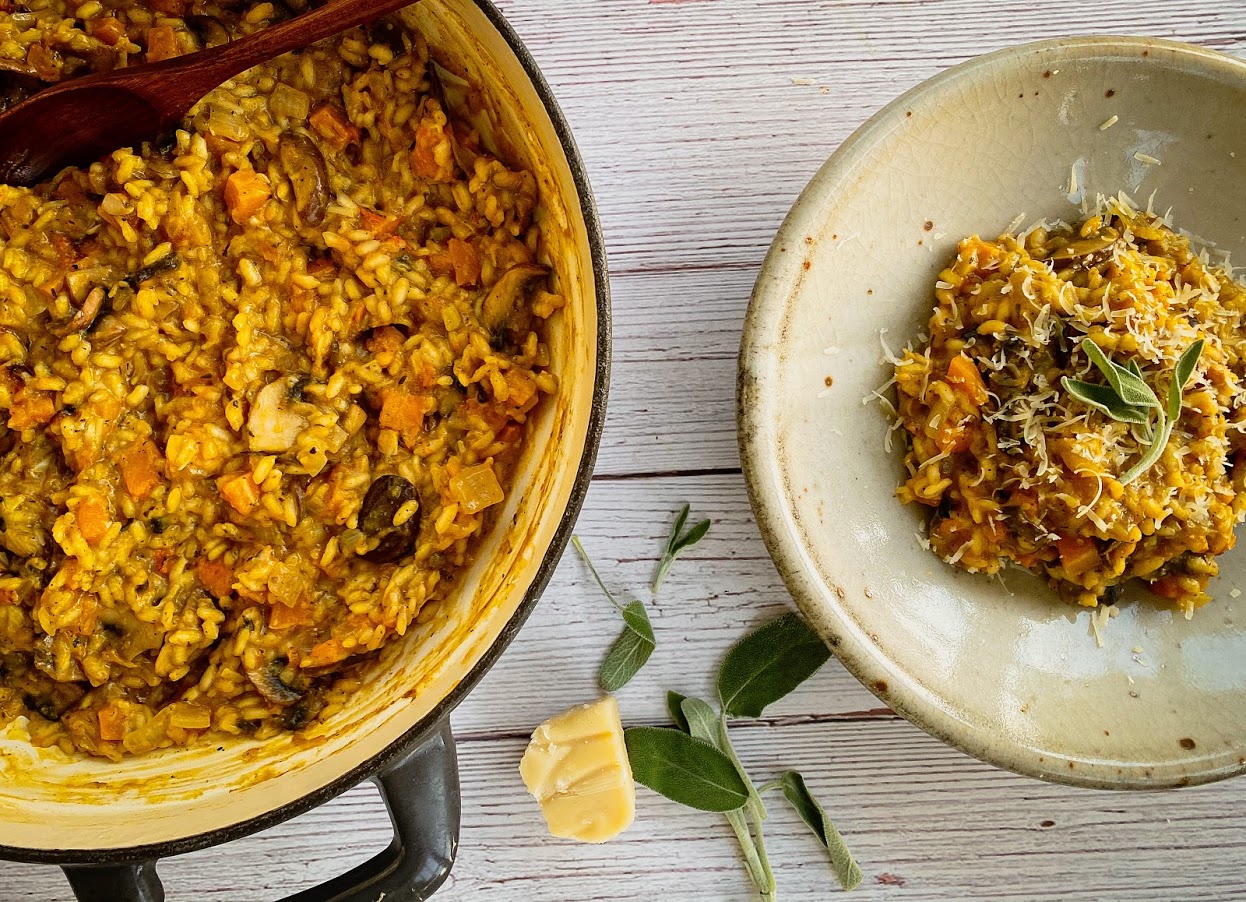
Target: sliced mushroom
268, 683
86, 314
273, 426
385, 497
309, 176
505, 300
209, 31
164, 264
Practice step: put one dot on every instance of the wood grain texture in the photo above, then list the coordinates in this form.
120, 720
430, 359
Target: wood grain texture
699, 131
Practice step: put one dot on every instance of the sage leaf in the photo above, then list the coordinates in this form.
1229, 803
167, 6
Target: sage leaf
1129, 386
1185, 369
1104, 399
702, 722
635, 644
685, 770
767, 665
797, 793
630, 651
679, 542
674, 701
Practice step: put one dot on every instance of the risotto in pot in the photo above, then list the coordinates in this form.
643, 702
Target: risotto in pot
261, 385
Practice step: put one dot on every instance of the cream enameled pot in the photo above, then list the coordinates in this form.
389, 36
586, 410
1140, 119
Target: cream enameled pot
107, 823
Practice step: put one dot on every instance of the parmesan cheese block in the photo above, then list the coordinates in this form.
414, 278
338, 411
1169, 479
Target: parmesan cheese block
576, 766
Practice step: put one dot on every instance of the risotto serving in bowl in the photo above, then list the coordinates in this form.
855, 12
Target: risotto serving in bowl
1035, 559
297, 405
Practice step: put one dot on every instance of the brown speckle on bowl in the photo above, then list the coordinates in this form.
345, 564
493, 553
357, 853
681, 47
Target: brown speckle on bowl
808, 264
880, 686
840, 593
1187, 743
927, 226
1046, 824
829, 380
1047, 74
1110, 92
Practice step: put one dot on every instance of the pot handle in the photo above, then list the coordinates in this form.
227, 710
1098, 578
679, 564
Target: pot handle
421, 793
115, 883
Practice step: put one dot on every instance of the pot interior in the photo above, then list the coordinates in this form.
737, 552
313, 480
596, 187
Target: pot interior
52, 802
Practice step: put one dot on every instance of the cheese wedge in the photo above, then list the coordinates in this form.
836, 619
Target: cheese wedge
576, 766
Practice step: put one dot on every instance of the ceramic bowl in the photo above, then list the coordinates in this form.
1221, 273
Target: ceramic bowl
1000, 668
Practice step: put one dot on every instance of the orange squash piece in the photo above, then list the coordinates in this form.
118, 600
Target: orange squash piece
241, 492
141, 468
92, 517
246, 192
161, 44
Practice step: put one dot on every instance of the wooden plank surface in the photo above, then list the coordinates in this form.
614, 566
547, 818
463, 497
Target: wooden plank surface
700, 121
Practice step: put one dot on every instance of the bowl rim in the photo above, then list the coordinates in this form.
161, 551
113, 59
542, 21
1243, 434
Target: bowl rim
429, 724
764, 480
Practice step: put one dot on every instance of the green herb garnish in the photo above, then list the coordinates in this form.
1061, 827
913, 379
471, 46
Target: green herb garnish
1127, 398
685, 769
768, 664
796, 792
761, 669
678, 543
635, 644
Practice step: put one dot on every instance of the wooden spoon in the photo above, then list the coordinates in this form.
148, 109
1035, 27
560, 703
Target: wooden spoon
81, 120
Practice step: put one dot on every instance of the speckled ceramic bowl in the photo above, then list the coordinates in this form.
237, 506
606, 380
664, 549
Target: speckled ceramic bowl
999, 668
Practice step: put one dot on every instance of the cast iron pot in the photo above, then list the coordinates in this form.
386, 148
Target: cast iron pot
108, 823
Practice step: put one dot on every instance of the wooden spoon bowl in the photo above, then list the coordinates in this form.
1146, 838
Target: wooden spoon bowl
81, 120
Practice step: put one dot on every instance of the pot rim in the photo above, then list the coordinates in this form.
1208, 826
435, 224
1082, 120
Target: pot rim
549, 563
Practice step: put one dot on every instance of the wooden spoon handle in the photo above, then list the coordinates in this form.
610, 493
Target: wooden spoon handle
293, 34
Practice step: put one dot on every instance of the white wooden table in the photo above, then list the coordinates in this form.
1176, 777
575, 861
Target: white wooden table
700, 121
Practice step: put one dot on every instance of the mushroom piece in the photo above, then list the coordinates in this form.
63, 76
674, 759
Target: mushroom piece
273, 426
267, 682
386, 496
507, 295
86, 314
167, 263
309, 176
209, 31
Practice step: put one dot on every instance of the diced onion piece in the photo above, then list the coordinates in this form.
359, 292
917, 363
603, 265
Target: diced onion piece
477, 488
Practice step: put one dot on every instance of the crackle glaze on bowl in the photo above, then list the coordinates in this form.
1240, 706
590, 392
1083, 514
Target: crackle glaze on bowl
999, 668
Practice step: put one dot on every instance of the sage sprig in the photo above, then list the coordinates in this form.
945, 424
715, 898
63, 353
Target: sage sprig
635, 644
1127, 398
758, 671
631, 650
678, 543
